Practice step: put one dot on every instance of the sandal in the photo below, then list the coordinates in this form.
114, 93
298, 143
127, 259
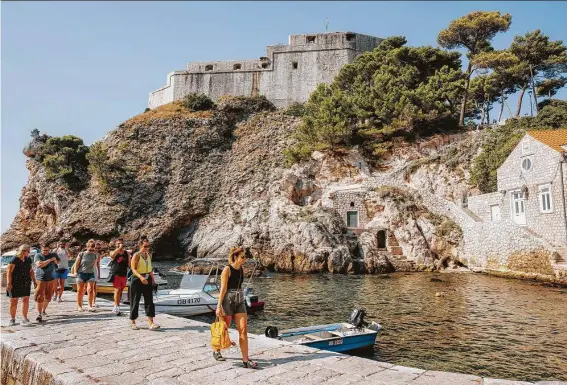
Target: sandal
218, 356
250, 364
154, 327
134, 327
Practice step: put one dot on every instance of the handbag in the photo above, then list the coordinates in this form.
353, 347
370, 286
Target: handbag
220, 338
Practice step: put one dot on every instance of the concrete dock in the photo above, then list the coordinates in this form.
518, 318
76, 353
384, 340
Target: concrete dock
100, 348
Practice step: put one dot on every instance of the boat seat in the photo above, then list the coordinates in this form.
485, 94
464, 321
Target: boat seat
312, 337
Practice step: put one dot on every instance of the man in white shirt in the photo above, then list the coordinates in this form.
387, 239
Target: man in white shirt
62, 268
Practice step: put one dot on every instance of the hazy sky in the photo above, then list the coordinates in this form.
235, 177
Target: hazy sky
82, 68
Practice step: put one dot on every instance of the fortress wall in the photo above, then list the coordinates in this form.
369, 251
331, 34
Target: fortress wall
288, 73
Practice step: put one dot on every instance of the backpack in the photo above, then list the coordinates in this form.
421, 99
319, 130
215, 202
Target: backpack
219, 335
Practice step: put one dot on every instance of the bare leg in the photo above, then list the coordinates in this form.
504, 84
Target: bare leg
117, 296
39, 307
241, 320
13, 307
25, 306
80, 293
61, 288
92, 293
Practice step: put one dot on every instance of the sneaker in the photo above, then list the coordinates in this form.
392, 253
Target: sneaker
80, 308
26, 322
12, 322
60, 299
91, 309
39, 319
44, 314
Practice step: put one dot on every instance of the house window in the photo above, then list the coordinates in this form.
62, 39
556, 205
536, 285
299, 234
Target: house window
525, 147
352, 218
294, 65
237, 66
526, 164
351, 204
311, 39
209, 67
545, 201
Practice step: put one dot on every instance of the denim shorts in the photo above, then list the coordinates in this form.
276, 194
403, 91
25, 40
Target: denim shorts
61, 275
86, 277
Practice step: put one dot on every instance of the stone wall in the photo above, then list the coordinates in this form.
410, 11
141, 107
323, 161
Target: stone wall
287, 74
345, 201
481, 204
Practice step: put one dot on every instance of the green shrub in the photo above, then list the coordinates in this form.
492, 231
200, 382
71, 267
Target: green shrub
296, 109
64, 157
98, 164
198, 102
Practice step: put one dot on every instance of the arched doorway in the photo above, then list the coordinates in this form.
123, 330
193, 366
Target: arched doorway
381, 238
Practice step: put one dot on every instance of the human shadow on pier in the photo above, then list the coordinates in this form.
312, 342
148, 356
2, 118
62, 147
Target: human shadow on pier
268, 363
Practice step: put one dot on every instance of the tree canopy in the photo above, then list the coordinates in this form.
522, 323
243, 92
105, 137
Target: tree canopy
473, 32
394, 90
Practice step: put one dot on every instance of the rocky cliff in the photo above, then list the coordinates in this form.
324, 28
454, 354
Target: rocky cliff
197, 183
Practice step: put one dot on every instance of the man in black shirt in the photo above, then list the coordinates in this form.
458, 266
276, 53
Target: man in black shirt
120, 264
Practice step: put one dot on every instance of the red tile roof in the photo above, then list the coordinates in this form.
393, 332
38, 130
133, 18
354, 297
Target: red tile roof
552, 138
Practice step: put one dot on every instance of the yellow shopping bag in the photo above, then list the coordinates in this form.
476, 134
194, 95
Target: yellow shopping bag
219, 335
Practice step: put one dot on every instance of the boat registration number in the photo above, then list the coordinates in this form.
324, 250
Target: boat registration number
336, 342
186, 301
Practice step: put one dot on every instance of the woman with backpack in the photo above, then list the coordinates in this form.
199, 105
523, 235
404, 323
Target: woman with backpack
142, 285
231, 303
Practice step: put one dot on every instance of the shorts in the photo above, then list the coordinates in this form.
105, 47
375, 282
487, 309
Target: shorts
85, 277
61, 274
119, 282
19, 291
233, 303
44, 291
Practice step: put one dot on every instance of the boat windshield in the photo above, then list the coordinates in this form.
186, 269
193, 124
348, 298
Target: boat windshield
105, 261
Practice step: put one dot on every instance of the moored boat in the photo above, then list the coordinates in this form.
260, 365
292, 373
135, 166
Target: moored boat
197, 293
354, 337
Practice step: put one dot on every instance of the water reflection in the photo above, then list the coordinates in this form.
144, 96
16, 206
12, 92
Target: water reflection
479, 325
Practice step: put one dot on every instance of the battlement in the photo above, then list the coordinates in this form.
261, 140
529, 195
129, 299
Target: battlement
287, 73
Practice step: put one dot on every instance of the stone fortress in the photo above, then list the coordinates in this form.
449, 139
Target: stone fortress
287, 74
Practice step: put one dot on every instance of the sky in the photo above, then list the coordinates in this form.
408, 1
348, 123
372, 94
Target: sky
82, 68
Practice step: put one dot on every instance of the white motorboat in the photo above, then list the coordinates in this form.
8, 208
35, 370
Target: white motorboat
197, 293
105, 287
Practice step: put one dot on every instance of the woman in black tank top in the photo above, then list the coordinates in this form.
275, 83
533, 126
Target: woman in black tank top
231, 302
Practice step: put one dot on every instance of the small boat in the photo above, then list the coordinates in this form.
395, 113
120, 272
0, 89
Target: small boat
104, 287
197, 293
354, 337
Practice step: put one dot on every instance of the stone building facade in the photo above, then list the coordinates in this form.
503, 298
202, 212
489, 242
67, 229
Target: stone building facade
532, 188
288, 73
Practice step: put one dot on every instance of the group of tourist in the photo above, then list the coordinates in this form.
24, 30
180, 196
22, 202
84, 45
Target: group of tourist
50, 268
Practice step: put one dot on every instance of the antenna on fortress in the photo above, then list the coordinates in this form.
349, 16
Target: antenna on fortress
326, 24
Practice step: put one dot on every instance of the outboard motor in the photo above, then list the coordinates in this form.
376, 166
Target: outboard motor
357, 318
271, 332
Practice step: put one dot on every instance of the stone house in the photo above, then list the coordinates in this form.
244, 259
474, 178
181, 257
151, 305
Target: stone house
351, 207
532, 188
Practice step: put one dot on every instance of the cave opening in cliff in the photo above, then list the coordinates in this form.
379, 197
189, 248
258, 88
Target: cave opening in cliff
170, 246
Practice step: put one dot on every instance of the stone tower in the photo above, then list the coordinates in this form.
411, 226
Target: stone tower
287, 74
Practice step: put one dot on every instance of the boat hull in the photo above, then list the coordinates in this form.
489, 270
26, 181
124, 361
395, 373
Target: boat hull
338, 337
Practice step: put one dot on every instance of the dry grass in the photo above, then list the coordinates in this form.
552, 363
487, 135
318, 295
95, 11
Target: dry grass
168, 111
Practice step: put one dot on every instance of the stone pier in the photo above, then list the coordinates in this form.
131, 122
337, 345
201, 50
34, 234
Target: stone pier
100, 348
